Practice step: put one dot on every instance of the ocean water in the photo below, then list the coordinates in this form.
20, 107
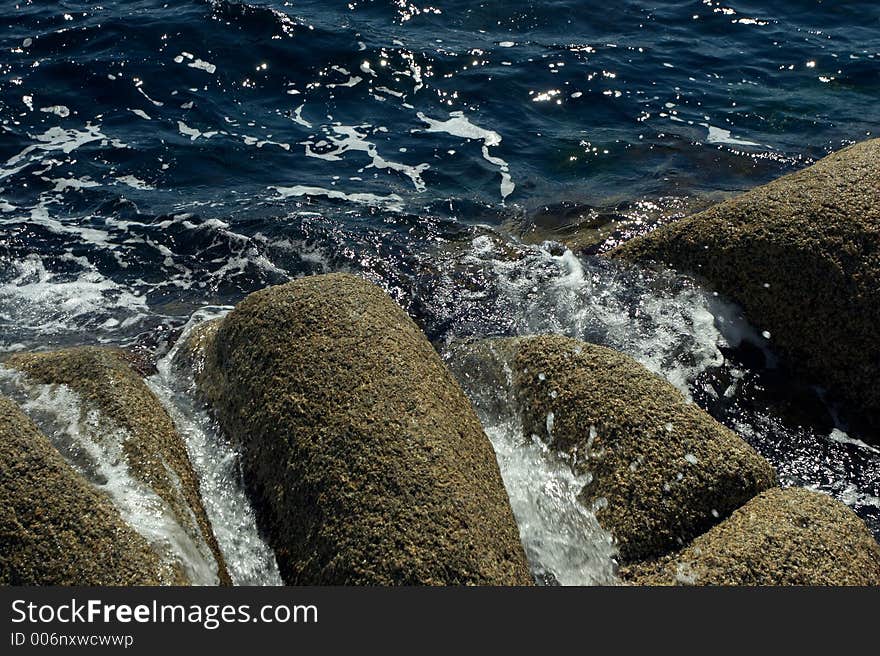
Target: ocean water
160, 158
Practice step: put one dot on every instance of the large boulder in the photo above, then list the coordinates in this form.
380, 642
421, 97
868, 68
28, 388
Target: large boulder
130, 418
781, 537
366, 462
802, 256
55, 528
662, 470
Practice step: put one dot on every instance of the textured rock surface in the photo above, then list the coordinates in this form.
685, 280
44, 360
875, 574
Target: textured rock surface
802, 256
156, 455
663, 471
781, 537
55, 529
366, 461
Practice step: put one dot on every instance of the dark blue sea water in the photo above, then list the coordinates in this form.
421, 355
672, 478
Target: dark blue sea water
157, 158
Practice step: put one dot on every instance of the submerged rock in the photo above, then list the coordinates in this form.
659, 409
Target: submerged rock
802, 256
131, 418
663, 471
781, 537
588, 230
366, 462
55, 528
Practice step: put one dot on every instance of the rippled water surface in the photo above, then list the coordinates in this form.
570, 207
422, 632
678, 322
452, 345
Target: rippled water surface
157, 158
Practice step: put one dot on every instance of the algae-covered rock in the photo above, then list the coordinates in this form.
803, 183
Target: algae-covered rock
367, 463
663, 471
781, 537
55, 528
802, 256
128, 411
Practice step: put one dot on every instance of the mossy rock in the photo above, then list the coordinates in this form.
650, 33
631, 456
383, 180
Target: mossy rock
366, 462
781, 537
55, 528
663, 471
802, 256
106, 382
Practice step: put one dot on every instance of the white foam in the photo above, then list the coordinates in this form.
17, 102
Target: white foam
352, 81
45, 303
135, 183
63, 184
348, 138
391, 201
297, 117
154, 102
58, 110
194, 62
193, 133
563, 541
200, 64
56, 139
677, 334
840, 437
259, 143
458, 125
720, 135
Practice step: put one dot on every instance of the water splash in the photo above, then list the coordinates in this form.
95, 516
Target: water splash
691, 337
249, 559
563, 541
668, 324
94, 448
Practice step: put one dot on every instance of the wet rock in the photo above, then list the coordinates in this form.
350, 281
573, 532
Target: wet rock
802, 256
781, 537
131, 418
55, 528
190, 354
663, 471
366, 462
588, 230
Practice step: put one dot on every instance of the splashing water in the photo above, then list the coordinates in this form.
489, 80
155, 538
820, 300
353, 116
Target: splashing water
495, 287
563, 541
83, 438
215, 460
668, 324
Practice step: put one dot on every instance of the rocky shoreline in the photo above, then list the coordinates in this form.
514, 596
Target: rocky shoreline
367, 465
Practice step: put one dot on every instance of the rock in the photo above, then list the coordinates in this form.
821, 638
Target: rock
576, 225
663, 471
589, 230
55, 529
106, 382
802, 256
781, 537
190, 350
366, 462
